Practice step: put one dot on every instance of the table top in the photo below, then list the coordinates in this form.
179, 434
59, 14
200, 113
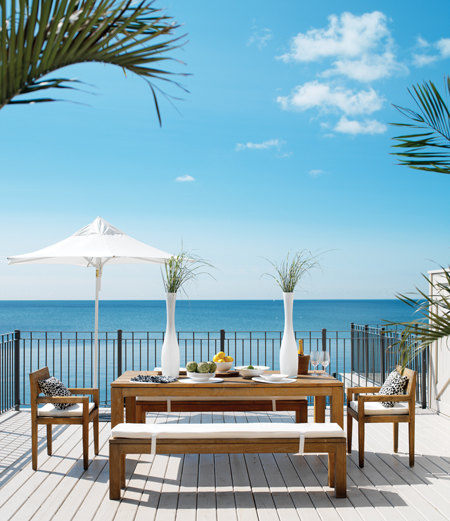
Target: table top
322, 380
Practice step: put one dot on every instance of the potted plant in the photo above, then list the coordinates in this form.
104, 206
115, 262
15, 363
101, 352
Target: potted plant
178, 270
287, 275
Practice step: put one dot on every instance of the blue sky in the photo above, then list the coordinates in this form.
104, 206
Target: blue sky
282, 143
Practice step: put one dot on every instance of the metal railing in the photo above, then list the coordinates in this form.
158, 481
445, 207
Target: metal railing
374, 356
9, 372
69, 355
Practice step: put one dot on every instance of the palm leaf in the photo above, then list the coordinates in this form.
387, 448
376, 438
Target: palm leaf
433, 322
428, 147
38, 37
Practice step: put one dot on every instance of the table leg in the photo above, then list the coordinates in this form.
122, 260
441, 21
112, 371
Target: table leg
116, 406
130, 409
337, 406
319, 409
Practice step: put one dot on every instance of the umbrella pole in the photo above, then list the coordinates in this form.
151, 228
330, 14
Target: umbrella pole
98, 275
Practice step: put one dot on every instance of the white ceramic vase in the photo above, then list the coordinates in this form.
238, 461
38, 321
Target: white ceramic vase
170, 353
288, 349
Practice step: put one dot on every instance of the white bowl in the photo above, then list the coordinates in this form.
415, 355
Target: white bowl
223, 366
200, 377
257, 371
275, 377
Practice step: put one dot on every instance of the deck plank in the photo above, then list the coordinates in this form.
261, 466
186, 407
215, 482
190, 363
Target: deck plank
225, 487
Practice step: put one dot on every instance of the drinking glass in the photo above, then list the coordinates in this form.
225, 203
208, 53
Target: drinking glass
315, 359
324, 360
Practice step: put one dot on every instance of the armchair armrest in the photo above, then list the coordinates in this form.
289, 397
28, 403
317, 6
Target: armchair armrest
356, 390
87, 390
63, 399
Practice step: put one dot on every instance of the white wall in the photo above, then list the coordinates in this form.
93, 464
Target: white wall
439, 367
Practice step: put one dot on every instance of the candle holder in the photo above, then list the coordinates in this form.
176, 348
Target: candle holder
303, 364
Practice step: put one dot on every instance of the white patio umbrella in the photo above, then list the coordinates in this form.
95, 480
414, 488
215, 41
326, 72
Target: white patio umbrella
95, 245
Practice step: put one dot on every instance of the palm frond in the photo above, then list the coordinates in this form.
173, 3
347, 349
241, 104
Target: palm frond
428, 149
38, 37
433, 322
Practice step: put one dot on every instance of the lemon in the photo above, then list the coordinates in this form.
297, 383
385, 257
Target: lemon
221, 360
228, 359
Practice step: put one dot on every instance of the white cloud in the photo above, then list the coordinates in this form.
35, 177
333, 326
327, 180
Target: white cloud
419, 60
361, 46
368, 126
443, 45
260, 38
316, 172
421, 42
270, 143
324, 96
185, 179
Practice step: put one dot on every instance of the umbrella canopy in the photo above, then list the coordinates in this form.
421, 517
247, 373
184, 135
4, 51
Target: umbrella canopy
95, 245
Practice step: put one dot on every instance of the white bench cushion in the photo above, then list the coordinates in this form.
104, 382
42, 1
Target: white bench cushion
377, 408
74, 410
226, 430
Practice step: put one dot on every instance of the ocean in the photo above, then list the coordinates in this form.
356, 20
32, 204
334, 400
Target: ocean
196, 315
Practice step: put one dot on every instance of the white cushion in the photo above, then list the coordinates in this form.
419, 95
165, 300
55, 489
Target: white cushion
227, 430
74, 410
378, 408
214, 398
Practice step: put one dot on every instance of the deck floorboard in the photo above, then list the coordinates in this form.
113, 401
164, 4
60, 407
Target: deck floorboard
222, 487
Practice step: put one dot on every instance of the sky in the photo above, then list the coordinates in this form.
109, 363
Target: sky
282, 143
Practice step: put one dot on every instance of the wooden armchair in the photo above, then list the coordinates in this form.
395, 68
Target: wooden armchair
367, 408
84, 413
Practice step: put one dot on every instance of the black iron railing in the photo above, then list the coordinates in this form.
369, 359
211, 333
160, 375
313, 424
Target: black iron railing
374, 356
361, 353
9, 371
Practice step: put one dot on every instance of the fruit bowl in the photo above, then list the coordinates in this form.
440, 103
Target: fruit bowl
200, 377
223, 366
257, 370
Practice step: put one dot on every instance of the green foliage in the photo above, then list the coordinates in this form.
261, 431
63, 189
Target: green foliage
38, 37
433, 322
428, 147
290, 270
182, 268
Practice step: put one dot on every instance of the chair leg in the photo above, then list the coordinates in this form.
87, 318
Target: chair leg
411, 443
85, 444
361, 441
341, 472
95, 428
114, 472
331, 469
49, 439
349, 432
34, 444
395, 437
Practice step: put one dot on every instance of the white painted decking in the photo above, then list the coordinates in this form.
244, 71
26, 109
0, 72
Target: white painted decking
252, 487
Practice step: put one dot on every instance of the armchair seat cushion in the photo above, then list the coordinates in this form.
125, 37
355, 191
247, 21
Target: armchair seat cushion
75, 409
378, 408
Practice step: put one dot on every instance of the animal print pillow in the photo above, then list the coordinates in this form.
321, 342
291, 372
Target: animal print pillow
53, 387
395, 383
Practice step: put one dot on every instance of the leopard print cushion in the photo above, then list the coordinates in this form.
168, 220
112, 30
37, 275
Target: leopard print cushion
395, 383
53, 387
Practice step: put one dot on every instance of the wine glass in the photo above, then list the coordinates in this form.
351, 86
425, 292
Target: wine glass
324, 360
315, 359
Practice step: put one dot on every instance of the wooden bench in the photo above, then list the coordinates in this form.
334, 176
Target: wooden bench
146, 404
227, 438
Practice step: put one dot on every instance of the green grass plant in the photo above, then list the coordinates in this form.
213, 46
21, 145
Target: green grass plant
181, 269
290, 270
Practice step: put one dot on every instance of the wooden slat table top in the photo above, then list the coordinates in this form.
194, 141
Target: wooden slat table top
302, 381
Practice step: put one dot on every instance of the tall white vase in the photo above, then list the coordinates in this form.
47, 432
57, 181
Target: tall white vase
170, 353
288, 349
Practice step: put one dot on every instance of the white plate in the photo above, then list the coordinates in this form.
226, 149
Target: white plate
264, 381
210, 381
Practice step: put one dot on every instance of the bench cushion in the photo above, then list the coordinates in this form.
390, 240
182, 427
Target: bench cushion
227, 430
377, 408
75, 409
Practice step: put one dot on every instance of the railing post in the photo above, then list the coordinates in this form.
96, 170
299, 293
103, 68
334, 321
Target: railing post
324, 339
382, 355
222, 340
17, 369
352, 347
119, 352
366, 351
424, 377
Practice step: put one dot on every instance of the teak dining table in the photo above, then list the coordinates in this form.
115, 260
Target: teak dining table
318, 386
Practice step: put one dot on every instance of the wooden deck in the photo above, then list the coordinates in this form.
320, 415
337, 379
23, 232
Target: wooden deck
262, 487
